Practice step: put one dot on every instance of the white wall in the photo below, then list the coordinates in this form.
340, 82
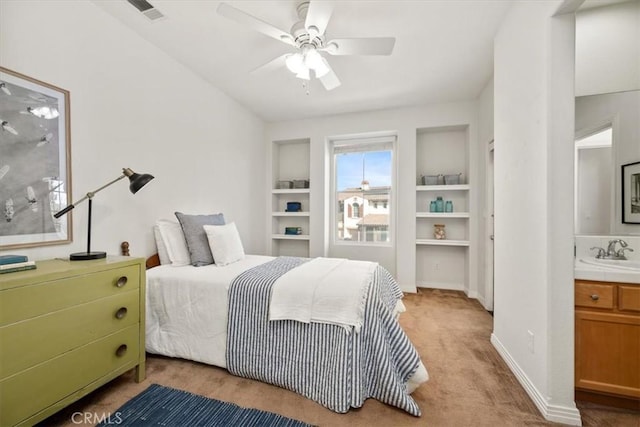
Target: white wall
401, 259
533, 76
608, 48
622, 110
133, 106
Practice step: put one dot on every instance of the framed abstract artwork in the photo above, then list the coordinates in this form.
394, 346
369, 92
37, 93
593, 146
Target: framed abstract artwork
631, 193
35, 162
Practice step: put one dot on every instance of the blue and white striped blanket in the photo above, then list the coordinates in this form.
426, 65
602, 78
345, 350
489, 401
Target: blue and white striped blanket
321, 361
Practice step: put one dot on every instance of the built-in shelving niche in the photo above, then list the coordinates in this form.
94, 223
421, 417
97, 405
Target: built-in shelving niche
443, 263
290, 161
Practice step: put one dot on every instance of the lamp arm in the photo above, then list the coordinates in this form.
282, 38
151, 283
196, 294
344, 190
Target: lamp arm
89, 195
92, 193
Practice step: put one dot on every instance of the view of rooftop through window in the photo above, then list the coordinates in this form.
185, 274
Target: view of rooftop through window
363, 184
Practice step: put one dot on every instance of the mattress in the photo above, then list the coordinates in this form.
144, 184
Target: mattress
187, 309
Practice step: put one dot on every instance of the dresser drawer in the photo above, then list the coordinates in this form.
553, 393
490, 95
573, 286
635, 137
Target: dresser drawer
27, 393
629, 298
595, 295
34, 300
25, 344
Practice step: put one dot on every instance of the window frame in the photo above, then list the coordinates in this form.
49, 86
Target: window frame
354, 144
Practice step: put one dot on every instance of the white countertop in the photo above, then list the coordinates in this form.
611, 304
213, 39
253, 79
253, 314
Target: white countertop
604, 274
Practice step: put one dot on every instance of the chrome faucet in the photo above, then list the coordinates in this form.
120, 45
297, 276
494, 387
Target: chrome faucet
611, 250
601, 252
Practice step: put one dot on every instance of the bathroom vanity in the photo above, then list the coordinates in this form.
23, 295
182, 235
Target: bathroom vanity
607, 336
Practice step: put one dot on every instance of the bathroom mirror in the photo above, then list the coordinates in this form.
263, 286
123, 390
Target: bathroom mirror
607, 112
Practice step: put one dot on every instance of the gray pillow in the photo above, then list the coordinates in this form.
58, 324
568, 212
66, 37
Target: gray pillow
197, 242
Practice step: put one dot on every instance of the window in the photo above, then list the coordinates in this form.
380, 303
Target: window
356, 210
363, 181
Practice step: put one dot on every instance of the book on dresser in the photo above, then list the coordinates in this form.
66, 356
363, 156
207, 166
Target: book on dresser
12, 259
17, 266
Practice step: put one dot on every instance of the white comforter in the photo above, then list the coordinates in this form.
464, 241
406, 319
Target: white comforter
186, 312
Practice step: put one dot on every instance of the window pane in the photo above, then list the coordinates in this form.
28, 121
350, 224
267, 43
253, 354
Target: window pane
363, 181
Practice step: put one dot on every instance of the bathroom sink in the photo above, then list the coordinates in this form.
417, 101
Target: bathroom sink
617, 264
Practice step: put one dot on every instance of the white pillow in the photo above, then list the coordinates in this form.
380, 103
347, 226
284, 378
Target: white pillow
174, 242
224, 242
162, 249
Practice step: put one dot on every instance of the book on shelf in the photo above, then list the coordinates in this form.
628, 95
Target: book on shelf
12, 259
20, 268
17, 265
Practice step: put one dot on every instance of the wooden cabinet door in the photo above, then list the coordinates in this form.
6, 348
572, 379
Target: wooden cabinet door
608, 353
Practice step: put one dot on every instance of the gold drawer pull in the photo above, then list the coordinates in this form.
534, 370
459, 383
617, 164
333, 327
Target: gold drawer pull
595, 297
122, 311
121, 281
121, 350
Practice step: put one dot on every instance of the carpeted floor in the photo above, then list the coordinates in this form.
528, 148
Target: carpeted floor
470, 384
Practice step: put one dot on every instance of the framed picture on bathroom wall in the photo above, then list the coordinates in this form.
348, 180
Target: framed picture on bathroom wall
631, 193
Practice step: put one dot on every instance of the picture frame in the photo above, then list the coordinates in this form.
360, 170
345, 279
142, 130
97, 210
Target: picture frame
35, 162
631, 193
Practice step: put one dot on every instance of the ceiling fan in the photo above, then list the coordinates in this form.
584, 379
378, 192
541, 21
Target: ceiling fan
308, 38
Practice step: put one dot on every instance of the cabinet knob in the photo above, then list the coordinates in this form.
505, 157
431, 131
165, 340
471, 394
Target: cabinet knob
122, 311
595, 297
121, 350
122, 281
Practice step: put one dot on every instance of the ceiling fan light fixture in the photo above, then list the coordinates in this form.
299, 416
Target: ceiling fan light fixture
295, 63
312, 59
304, 74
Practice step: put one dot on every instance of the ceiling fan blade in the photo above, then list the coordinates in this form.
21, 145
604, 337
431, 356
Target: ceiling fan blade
361, 46
330, 80
274, 64
259, 25
318, 16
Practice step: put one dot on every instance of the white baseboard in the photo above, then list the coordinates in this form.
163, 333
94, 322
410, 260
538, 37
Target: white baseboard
480, 299
559, 414
449, 287
408, 288
445, 286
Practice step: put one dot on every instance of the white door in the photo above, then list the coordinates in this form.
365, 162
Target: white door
488, 293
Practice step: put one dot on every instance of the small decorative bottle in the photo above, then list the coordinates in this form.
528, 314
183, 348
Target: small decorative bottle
448, 206
432, 206
438, 232
439, 204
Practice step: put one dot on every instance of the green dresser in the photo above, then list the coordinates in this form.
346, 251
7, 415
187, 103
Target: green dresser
66, 328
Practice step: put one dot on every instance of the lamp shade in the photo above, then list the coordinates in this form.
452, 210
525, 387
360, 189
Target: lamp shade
136, 180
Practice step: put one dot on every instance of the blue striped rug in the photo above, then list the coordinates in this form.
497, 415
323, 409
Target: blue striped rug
168, 407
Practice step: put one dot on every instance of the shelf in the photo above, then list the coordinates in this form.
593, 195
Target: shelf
459, 187
290, 214
290, 236
445, 242
290, 191
442, 214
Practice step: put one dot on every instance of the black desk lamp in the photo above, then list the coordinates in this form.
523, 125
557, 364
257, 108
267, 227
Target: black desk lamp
137, 181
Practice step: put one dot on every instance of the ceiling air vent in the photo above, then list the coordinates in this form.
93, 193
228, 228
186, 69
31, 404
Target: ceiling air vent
147, 9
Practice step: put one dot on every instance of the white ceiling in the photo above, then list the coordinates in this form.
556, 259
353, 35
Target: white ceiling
443, 52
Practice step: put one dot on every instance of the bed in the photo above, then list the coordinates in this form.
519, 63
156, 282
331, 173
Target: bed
245, 316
